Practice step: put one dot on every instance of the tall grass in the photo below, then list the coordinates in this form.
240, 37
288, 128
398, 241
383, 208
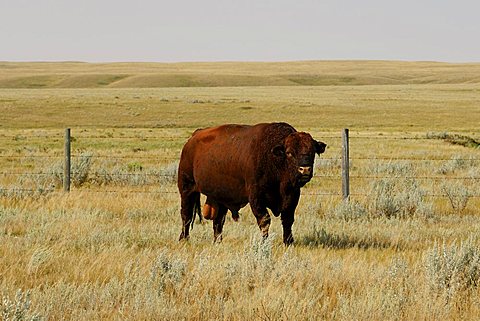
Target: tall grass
132, 267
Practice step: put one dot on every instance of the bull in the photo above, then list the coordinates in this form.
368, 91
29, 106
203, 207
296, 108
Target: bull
264, 165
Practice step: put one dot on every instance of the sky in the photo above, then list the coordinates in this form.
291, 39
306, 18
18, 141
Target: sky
239, 30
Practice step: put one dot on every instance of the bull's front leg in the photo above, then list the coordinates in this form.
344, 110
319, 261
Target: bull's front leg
262, 216
287, 222
288, 215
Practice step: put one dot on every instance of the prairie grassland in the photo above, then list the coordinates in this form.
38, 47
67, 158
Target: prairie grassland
388, 108
109, 250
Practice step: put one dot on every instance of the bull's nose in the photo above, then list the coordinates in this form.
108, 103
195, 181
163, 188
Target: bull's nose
305, 170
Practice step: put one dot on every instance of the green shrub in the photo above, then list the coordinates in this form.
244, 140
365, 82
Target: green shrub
134, 167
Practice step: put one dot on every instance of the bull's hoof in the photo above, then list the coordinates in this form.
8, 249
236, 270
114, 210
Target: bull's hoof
288, 241
217, 239
182, 237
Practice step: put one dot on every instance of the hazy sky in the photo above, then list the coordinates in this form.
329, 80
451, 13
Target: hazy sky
226, 30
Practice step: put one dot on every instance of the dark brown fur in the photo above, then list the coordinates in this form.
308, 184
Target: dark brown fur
238, 164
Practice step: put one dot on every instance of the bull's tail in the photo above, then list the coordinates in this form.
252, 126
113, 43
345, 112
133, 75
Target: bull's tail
197, 209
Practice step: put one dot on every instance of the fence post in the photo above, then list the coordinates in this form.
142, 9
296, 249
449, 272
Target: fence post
345, 165
66, 167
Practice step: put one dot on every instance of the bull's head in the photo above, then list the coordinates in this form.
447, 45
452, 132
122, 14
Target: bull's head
299, 151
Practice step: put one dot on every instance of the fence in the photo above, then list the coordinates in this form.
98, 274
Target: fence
351, 169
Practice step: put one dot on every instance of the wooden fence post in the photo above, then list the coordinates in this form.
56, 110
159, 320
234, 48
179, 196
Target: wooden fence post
66, 167
345, 165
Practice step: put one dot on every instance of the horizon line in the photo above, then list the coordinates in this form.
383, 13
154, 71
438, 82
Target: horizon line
236, 61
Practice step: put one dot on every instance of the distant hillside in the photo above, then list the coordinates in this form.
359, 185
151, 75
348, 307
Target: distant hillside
232, 74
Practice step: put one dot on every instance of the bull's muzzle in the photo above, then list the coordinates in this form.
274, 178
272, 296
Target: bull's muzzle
305, 170
306, 173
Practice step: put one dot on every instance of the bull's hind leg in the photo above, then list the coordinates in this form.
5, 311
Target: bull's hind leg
187, 212
218, 222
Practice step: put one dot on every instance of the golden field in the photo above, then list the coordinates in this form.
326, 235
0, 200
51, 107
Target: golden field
406, 246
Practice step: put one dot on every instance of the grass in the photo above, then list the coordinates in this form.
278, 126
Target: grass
373, 108
121, 261
109, 250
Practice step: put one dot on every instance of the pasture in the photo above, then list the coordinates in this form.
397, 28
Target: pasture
405, 247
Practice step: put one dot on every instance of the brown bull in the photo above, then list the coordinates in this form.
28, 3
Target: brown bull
264, 165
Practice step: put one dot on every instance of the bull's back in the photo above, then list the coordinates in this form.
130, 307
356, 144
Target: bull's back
223, 151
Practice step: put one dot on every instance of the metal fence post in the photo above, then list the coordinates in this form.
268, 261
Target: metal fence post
66, 168
345, 165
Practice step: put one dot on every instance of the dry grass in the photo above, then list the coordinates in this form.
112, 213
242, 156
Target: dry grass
87, 256
394, 253
373, 108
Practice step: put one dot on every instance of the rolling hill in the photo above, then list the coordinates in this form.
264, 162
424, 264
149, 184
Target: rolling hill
232, 74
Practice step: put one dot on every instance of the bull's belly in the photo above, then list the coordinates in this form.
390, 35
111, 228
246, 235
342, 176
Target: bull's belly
227, 191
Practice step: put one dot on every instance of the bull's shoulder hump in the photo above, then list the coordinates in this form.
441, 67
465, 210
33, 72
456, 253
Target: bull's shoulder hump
258, 130
219, 130
279, 130
218, 133
282, 127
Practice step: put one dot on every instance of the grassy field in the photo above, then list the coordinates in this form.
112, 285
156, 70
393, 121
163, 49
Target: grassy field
406, 246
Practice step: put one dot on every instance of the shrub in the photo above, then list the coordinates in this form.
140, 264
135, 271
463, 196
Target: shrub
166, 272
399, 195
455, 139
458, 195
261, 251
18, 193
134, 174
350, 210
81, 168
18, 309
457, 162
437, 135
322, 164
449, 269
134, 167
169, 173
399, 198
396, 169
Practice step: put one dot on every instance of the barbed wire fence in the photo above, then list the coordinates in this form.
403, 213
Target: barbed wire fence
343, 167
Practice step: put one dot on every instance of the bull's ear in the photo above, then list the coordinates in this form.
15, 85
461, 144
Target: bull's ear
278, 150
320, 147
